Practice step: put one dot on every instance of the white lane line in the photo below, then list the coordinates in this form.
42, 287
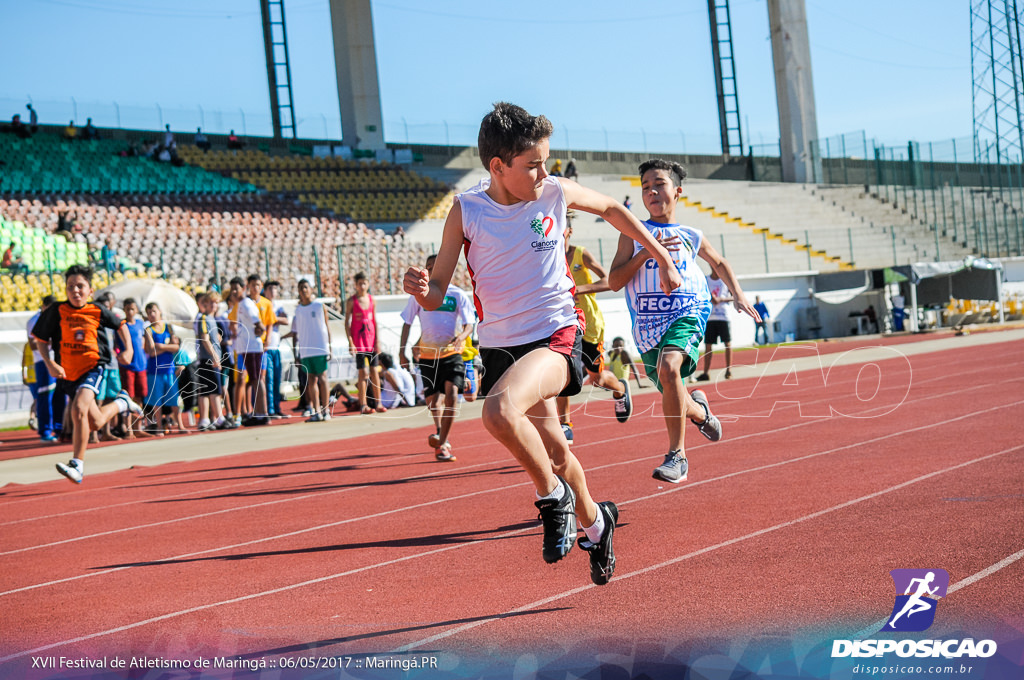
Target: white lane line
724, 544
533, 605
512, 486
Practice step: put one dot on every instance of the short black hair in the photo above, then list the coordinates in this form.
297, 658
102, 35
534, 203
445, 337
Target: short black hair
48, 300
268, 284
236, 280
508, 130
79, 270
302, 281
671, 167
385, 360
360, 276
254, 277
129, 301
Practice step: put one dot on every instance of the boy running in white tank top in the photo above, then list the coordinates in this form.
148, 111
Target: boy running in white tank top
668, 329
512, 228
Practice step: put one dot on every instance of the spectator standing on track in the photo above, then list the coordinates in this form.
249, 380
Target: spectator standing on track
718, 325
443, 335
312, 337
209, 378
133, 374
234, 395
761, 327
79, 355
512, 227
364, 342
49, 404
249, 331
161, 346
583, 267
273, 349
668, 328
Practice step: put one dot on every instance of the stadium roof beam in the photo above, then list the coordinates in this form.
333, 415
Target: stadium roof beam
794, 89
279, 73
355, 63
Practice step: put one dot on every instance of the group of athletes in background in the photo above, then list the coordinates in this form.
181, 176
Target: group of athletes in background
539, 331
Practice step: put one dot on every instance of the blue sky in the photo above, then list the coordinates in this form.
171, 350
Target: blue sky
628, 76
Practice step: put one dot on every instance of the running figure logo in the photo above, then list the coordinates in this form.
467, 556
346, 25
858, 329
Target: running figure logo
921, 589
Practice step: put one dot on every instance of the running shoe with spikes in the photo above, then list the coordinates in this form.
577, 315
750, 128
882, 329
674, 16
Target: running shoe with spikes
711, 427
559, 520
602, 556
73, 470
624, 404
674, 469
444, 453
129, 403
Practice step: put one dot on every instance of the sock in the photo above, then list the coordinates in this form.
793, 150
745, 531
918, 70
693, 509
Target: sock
204, 422
122, 404
77, 463
219, 421
595, 530
555, 495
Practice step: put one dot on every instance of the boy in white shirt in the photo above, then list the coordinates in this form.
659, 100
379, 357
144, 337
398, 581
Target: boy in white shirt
313, 338
512, 229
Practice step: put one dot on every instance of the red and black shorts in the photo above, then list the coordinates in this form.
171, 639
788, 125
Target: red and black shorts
566, 341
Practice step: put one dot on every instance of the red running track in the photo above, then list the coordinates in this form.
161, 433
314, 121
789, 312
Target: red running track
788, 527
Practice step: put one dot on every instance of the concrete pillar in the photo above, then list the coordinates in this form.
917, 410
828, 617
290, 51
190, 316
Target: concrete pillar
794, 90
355, 63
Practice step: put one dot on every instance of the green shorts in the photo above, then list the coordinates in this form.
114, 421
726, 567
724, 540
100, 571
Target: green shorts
314, 365
684, 335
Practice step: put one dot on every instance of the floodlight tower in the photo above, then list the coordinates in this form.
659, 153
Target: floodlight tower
997, 67
279, 72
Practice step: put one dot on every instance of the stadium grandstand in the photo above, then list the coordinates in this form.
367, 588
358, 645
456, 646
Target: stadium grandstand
198, 223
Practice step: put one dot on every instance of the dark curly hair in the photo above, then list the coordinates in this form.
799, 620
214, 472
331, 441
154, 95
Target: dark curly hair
508, 130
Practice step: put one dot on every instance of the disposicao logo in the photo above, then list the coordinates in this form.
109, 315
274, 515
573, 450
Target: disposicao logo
921, 590
917, 594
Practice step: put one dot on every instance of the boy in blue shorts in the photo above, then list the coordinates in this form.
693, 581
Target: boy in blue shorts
512, 229
80, 355
668, 329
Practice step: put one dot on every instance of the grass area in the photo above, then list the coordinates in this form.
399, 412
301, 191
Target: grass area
14, 429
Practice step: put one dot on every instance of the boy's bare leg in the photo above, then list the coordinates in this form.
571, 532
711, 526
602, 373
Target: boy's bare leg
565, 464
562, 405
607, 380
323, 393
537, 444
88, 417
676, 402
364, 376
447, 413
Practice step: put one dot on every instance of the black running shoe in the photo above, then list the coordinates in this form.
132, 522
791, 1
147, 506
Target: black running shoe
559, 519
602, 556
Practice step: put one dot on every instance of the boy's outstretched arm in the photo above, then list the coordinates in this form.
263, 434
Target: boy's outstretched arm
429, 290
615, 214
724, 271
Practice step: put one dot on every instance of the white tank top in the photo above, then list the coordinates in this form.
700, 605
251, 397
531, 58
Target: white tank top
651, 310
516, 256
